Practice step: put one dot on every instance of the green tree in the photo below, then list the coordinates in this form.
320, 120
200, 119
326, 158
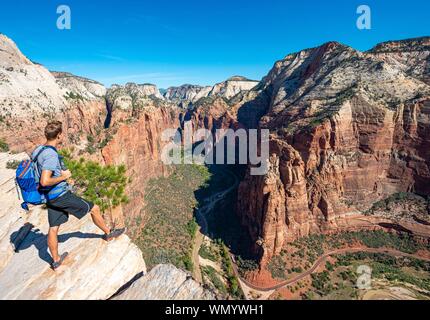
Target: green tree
103, 185
4, 147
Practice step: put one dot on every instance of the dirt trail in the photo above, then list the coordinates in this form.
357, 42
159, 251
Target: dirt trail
208, 205
322, 259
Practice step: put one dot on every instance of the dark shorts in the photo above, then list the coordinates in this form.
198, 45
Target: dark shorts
69, 203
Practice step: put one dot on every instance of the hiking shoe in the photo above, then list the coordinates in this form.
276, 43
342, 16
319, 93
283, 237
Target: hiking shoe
56, 265
114, 233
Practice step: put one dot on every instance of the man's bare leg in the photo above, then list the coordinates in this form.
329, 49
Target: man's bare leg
53, 243
98, 219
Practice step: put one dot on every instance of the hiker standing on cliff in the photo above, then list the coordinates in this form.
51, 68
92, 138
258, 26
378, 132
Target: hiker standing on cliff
61, 201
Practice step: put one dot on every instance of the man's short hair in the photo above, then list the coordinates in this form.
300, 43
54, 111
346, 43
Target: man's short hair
53, 129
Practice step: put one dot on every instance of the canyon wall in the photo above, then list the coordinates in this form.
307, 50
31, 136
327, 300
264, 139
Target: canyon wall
138, 145
30, 96
347, 129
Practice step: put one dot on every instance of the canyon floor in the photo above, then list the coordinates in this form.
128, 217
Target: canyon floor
320, 266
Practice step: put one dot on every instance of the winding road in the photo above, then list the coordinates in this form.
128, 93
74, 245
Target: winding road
209, 204
322, 259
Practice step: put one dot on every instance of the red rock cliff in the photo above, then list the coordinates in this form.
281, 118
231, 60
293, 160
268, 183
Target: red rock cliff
348, 129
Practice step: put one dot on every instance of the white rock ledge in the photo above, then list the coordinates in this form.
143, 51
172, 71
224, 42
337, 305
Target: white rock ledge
94, 268
166, 282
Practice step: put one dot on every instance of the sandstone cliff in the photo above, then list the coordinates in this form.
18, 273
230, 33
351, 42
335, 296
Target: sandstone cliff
166, 282
137, 144
132, 95
30, 95
79, 86
347, 129
187, 95
410, 55
137, 123
232, 86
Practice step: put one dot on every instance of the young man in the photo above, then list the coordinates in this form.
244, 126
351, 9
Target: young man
61, 201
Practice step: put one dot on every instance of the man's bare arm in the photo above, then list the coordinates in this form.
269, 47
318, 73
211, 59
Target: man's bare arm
47, 180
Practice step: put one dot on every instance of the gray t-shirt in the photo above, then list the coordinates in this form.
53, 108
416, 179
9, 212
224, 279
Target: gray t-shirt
48, 160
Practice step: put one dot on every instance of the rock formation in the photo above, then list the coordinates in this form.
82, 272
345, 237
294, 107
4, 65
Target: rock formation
347, 129
187, 95
411, 56
30, 95
137, 143
166, 282
232, 86
86, 88
132, 95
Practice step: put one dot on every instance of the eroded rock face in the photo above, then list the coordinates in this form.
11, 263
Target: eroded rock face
166, 282
412, 56
138, 145
94, 268
30, 95
132, 96
187, 95
211, 114
86, 88
232, 86
347, 129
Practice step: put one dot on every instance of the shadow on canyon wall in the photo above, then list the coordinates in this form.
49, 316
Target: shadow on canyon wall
222, 221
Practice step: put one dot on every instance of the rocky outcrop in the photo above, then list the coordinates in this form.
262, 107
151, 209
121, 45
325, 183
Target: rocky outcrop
137, 143
187, 95
80, 87
232, 86
166, 282
132, 96
411, 56
136, 126
347, 129
211, 113
94, 268
30, 95
24, 86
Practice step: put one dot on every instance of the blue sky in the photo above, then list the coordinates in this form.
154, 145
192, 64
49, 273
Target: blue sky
200, 42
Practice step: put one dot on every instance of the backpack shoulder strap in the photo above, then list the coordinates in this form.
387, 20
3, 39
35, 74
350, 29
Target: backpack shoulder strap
34, 159
43, 149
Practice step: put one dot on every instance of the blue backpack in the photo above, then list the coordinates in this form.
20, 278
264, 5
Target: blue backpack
27, 178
